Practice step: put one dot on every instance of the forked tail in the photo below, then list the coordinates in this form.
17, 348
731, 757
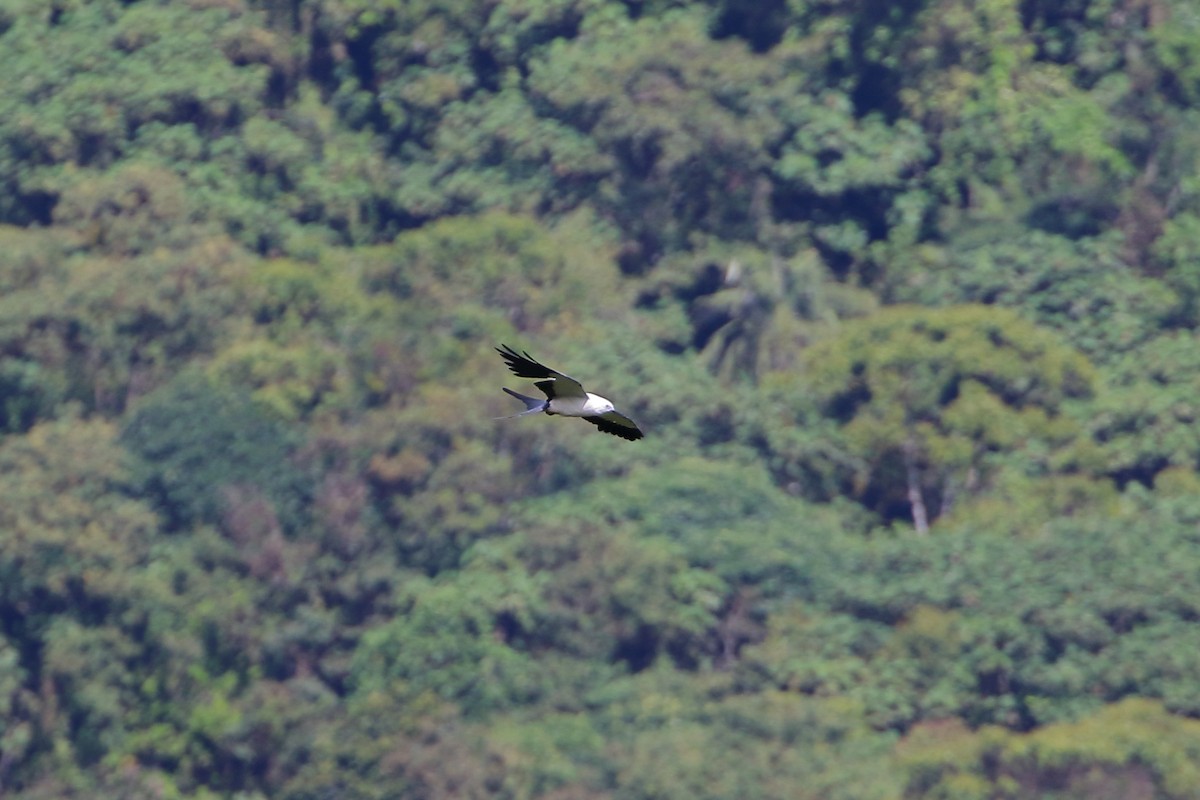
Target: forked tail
532, 404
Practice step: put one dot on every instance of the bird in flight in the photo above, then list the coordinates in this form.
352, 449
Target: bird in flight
565, 396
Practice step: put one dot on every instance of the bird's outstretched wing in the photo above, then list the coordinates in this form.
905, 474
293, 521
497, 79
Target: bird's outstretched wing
552, 382
617, 424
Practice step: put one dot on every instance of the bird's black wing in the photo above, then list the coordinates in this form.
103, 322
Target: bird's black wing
617, 424
552, 382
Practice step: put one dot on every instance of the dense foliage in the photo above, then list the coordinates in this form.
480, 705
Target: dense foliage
903, 293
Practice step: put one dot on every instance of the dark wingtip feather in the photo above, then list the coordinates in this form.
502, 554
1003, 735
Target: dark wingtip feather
523, 365
604, 426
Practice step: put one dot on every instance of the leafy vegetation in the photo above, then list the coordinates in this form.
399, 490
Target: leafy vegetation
904, 295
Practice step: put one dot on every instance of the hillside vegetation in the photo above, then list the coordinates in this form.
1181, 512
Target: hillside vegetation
903, 292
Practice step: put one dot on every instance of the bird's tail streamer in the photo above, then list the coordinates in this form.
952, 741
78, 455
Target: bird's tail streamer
532, 404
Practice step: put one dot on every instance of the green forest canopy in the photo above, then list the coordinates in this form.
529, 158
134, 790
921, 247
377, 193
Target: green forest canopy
903, 293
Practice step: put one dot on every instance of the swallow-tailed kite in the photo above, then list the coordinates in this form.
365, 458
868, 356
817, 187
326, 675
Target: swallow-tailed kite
565, 396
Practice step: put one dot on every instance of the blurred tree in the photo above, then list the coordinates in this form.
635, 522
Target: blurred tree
689, 152
1012, 133
465, 275
1144, 420
1081, 288
131, 288
73, 600
127, 211
1132, 748
771, 745
30, 385
379, 745
1012, 631
926, 396
204, 450
129, 324
457, 641
115, 70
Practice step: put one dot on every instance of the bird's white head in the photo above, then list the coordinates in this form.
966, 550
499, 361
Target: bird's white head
599, 405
